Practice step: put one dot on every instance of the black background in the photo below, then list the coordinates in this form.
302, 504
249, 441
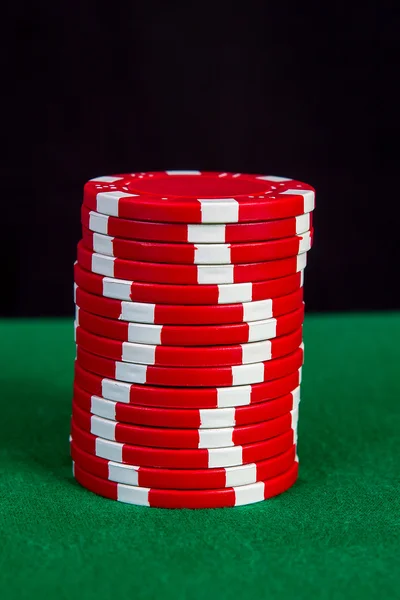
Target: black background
294, 91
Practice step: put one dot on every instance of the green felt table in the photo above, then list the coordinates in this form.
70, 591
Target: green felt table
335, 534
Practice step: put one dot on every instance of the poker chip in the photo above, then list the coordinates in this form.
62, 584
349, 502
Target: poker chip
175, 397
230, 376
189, 348
183, 479
222, 498
177, 314
198, 197
190, 335
150, 272
163, 437
196, 254
195, 234
190, 418
186, 294
182, 458
186, 356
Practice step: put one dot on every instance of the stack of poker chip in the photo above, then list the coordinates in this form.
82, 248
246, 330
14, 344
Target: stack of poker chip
189, 313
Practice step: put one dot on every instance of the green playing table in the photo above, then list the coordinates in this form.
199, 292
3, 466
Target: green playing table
335, 534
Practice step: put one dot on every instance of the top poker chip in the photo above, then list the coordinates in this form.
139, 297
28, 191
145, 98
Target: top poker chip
198, 197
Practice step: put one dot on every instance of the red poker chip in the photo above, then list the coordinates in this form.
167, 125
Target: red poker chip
176, 397
151, 272
175, 314
183, 479
190, 335
172, 458
198, 197
227, 497
186, 294
196, 254
195, 234
186, 356
186, 418
187, 376
163, 437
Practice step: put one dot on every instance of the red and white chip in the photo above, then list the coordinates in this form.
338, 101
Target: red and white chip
185, 376
198, 197
191, 335
163, 437
149, 272
183, 479
186, 418
167, 498
182, 458
157, 293
189, 397
195, 234
186, 356
170, 314
196, 254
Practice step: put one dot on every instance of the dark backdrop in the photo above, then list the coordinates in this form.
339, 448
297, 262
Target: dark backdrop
301, 93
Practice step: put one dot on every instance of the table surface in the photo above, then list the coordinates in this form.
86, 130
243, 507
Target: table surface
334, 535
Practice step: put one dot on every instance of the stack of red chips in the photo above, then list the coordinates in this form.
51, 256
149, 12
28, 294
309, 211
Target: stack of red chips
189, 313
